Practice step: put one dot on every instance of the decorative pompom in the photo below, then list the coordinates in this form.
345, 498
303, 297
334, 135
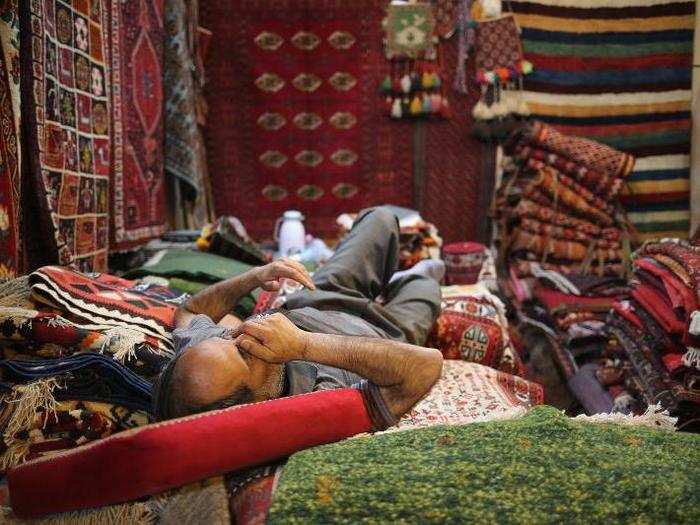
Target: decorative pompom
426, 80
435, 102
396, 108
406, 84
502, 73
426, 105
416, 106
490, 77
527, 67
445, 110
386, 84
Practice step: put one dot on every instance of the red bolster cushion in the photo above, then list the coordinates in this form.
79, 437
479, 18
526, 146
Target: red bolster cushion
157, 457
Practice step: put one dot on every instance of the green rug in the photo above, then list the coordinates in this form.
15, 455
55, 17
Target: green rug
541, 468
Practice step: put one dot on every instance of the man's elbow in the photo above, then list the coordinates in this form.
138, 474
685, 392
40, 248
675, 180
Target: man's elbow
430, 370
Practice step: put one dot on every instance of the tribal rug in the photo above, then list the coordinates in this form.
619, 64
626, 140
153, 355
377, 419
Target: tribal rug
66, 102
620, 73
104, 300
11, 263
138, 180
296, 84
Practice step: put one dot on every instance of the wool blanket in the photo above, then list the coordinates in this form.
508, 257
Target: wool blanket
620, 74
66, 100
137, 191
483, 472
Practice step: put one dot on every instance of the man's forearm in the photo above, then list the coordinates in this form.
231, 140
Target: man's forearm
219, 299
404, 372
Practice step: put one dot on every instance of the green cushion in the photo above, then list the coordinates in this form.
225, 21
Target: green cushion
190, 265
541, 468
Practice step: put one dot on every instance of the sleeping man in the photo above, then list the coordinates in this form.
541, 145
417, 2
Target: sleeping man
356, 324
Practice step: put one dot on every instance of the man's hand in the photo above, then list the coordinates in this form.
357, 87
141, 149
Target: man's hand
273, 339
268, 276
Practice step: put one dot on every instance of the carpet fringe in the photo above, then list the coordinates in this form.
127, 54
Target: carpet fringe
655, 417
29, 399
123, 514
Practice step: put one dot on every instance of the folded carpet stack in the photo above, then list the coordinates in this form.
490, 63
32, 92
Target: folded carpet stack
654, 346
557, 203
564, 247
76, 355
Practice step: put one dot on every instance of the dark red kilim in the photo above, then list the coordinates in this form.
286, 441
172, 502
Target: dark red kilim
295, 120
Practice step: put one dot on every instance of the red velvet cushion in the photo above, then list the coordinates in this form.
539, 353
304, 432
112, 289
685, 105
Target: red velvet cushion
154, 458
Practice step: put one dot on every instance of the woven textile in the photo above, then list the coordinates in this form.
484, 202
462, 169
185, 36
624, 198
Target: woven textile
66, 94
298, 78
102, 300
541, 468
620, 73
184, 156
451, 178
137, 191
468, 392
10, 187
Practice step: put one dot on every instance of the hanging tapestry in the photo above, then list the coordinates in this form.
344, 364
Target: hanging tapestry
451, 172
137, 189
10, 186
184, 157
295, 82
620, 73
66, 101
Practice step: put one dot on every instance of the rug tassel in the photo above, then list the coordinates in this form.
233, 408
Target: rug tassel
655, 417
121, 343
29, 398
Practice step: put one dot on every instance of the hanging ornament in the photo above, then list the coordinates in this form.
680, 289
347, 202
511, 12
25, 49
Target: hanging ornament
412, 48
500, 68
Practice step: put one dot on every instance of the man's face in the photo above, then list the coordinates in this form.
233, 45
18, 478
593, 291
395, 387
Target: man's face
213, 369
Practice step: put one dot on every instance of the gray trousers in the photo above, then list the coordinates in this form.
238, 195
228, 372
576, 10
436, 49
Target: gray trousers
359, 273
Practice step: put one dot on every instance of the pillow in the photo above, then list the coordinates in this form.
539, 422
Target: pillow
154, 458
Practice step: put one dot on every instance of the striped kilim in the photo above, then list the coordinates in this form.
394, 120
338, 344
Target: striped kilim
619, 72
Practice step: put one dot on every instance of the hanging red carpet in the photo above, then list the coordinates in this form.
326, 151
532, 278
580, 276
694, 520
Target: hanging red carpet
137, 182
10, 233
65, 88
295, 121
620, 73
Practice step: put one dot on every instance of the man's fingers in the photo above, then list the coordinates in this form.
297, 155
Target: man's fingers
294, 273
271, 286
257, 330
302, 269
254, 347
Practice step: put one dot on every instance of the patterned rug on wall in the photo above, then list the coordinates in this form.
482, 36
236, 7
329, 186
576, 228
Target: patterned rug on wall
619, 71
453, 169
65, 98
295, 120
137, 190
11, 263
